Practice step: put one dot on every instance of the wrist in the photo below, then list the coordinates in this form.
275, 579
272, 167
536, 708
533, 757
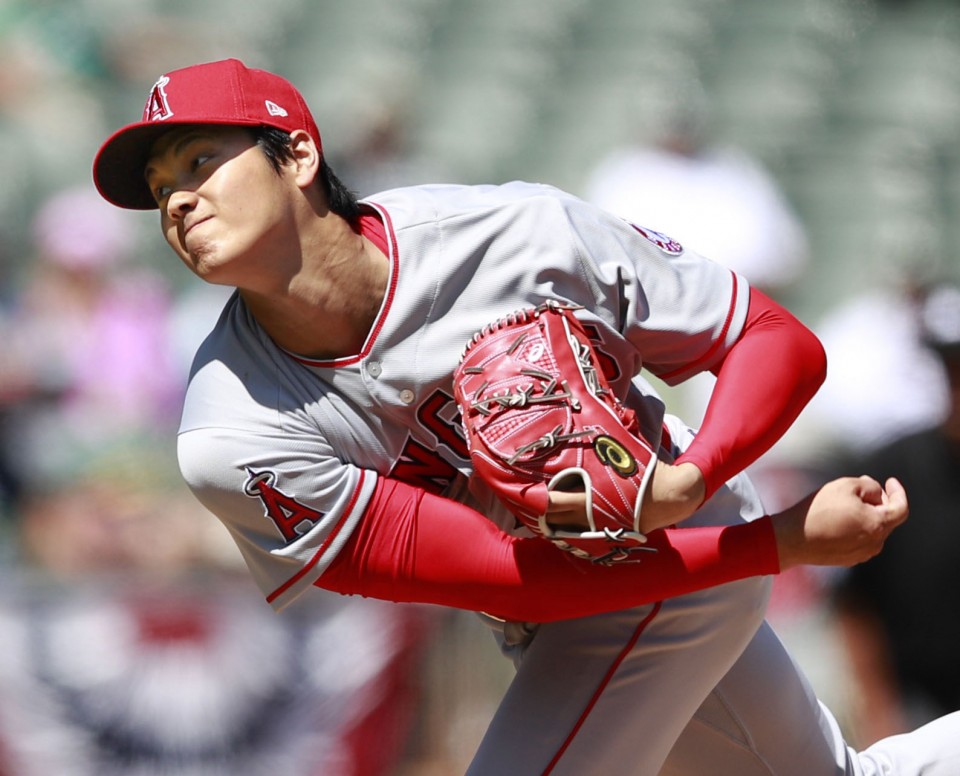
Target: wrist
687, 487
673, 494
788, 537
705, 471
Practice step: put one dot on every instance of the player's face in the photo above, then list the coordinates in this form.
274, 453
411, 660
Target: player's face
223, 207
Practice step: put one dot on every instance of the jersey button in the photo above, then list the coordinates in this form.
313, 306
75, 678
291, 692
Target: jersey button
406, 396
374, 369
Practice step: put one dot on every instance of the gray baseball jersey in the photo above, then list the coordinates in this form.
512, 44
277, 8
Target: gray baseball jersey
285, 450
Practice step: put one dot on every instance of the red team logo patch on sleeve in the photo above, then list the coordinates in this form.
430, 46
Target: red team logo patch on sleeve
662, 241
291, 518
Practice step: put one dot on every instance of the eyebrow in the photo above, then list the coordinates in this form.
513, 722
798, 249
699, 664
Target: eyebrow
178, 145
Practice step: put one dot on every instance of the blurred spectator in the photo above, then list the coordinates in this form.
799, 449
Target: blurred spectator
133, 645
716, 200
882, 380
898, 612
85, 346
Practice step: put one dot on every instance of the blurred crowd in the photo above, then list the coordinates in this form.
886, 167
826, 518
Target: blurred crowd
126, 623
132, 643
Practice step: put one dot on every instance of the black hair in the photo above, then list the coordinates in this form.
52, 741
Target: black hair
276, 146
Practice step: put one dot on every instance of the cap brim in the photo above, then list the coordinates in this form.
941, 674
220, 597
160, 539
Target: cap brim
119, 165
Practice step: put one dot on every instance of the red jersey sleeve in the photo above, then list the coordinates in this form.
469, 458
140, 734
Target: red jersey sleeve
412, 546
773, 369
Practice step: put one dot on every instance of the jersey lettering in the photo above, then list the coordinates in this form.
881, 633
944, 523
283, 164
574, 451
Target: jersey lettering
291, 518
608, 364
448, 432
423, 468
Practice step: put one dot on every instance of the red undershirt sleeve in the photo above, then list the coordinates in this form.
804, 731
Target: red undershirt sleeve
412, 546
763, 383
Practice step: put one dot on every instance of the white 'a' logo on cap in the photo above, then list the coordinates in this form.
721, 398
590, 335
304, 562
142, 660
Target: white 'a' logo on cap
158, 107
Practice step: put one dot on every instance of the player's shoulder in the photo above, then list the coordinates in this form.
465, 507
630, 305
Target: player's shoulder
233, 375
439, 202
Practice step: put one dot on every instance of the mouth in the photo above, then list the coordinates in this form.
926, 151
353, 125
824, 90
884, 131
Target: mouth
193, 225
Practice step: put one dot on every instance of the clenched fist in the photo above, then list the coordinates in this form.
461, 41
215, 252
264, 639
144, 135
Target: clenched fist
843, 523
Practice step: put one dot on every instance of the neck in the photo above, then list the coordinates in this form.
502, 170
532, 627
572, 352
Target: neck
328, 305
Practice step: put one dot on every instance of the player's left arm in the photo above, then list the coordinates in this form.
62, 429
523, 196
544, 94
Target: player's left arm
763, 383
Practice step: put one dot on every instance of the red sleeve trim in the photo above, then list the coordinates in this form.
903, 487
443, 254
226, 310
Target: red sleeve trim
311, 564
719, 343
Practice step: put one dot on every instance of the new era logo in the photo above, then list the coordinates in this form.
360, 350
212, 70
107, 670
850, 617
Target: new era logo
273, 109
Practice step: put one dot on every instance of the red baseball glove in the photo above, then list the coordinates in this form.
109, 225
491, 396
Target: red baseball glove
539, 416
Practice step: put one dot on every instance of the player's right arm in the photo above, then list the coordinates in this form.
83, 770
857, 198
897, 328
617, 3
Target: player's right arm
411, 546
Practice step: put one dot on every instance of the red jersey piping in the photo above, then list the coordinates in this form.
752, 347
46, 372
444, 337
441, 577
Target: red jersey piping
310, 564
706, 357
375, 225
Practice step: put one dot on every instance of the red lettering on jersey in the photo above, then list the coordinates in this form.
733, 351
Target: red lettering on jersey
447, 431
291, 518
423, 468
608, 364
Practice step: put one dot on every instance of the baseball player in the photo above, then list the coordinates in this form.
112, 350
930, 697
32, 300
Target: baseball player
320, 426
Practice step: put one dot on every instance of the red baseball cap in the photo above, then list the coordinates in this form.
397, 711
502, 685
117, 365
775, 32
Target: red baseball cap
225, 92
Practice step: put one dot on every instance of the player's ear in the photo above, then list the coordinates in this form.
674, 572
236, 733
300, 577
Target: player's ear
305, 157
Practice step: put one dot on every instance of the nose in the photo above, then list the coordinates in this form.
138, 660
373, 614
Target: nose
181, 202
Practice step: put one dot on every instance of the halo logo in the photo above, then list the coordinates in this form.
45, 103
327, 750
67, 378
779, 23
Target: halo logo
158, 106
291, 518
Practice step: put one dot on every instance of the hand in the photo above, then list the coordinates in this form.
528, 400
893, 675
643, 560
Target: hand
673, 494
844, 523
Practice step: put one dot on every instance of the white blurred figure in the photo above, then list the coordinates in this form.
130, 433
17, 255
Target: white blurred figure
717, 200
882, 381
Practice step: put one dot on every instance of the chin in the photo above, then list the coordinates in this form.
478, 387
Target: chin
211, 273
204, 262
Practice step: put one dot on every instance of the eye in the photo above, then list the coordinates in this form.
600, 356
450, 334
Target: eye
160, 193
199, 160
